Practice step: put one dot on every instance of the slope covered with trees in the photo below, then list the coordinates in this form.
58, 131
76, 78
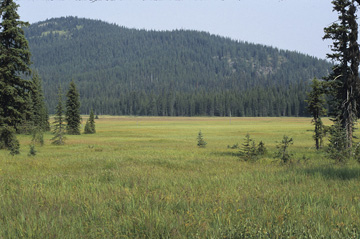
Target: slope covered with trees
138, 72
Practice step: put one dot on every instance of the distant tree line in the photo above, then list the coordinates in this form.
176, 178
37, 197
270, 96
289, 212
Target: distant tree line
276, 101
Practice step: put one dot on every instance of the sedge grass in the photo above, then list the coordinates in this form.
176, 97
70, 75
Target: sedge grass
144, 177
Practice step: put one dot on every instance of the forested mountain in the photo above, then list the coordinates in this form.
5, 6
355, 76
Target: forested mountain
138, 72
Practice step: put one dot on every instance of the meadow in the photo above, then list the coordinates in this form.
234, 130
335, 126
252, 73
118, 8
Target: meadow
144, 177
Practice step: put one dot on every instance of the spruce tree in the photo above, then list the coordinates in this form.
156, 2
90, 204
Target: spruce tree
14, 63
40, 116
316, 101
344, 79
90, 124
59, 122
73, 117
201, 142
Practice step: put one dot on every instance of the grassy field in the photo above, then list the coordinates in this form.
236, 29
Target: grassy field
145, 178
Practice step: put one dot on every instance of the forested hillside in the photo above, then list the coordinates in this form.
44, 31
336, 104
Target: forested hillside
137, 72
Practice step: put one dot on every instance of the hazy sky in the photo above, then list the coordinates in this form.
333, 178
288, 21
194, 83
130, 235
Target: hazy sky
287, 24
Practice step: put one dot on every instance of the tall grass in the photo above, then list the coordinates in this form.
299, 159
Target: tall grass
146, 178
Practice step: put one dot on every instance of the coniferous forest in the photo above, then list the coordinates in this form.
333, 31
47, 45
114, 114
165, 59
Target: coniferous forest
121, 71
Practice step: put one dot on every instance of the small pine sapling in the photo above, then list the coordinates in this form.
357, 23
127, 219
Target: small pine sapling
201, 142
261, 149
248, 150
283, 152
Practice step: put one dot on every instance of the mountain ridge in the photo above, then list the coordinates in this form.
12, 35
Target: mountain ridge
114, 67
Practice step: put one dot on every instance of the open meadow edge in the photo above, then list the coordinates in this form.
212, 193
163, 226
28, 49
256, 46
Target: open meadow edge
144, 177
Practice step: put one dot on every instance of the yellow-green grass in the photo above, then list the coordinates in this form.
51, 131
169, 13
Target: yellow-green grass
144, 177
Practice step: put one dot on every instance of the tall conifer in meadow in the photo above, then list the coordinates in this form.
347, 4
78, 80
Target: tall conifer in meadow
14, 63
73, 117
40, 112
344, 78
316, 101
59, 122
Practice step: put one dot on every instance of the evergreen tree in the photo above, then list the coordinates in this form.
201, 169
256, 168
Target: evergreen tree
90, 124
344, 79
248, 150
337, 149
14, 63
316, 108
87, 129
283, 152
261, 149
201, 142
59, 122
73, 117
40, 116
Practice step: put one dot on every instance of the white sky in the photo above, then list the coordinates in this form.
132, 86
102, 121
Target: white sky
287, 24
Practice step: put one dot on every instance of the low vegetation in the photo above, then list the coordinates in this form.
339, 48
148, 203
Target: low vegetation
146, 178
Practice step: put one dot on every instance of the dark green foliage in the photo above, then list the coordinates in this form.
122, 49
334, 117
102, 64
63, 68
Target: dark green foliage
235, 146
316, 102
200, 140
59, 122
8, 140
72, 114
14, 146
283, 152
337, 148
344, 78
187, 73
14, 63
40, 116
248, 151
261, 149
87, 129
32, 151
90, 124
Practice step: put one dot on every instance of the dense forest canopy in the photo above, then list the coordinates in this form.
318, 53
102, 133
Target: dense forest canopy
125, 71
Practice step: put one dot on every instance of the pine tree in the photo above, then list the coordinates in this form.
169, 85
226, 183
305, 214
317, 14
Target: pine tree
92, 122
201, 142
14, 63
344, 79
73, 117
40, 116
283, 152
316, 108
337, 149
87, 129
248, 150
59, 122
